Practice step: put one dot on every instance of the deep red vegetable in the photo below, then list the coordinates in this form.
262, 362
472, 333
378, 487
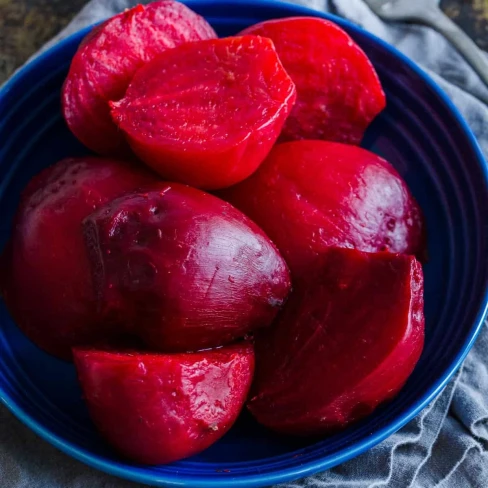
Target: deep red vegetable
183, 269
158, 408
309, 195
48, 289
109, 56
339, 92
348, 339
207, 113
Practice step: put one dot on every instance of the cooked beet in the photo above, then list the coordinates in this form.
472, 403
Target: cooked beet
109, 56
48, 289
158, 408
207, 113
309, 195
184, 269
338, 90
347, 341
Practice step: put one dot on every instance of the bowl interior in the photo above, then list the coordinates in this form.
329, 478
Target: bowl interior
418, 133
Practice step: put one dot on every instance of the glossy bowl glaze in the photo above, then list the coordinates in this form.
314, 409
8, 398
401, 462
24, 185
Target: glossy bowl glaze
420, 132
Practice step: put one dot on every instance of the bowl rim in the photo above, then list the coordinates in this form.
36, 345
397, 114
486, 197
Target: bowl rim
133, 472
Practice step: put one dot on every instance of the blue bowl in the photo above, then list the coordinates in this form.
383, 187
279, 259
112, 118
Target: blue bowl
420, 132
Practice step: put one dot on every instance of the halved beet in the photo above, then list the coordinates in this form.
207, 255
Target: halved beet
339, 92
183, 269
309, 195
158, 408
347, 341
48, 289
207, 113
109, 56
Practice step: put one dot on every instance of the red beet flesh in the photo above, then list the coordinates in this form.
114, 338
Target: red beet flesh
184, 269
49, 289
310, 195
347, 340
339, 92
107, 60
207, 113
158, 408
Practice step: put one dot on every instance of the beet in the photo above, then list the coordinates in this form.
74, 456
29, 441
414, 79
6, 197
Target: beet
309, 195
207, 113
48, 288
183, 269
158, 408
109, 56
339, 92
347, 341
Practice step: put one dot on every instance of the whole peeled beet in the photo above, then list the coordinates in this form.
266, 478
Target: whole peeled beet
183, 269
107, 59
48, 288
338, 90
310, 195
207, 113
158, 408
347, 340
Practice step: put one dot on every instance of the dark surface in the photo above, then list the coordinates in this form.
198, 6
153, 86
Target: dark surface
27, 24
470, 15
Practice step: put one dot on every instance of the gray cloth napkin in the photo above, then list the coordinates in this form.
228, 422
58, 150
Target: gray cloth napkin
445, 446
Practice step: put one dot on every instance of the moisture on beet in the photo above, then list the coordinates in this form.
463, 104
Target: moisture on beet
347, 341
48, 289
338, 90
207, 113
183, 269
109, 56
310, 195
304, 259
158, 408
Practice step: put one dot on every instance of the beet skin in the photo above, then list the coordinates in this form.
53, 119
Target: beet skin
48, 289
158, 408
207, 113
347, 340
338, 90
109, 56
310, 195
183, 269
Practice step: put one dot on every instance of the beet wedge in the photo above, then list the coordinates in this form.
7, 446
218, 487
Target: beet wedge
207, 113
158, 408
346, 342
109, 56
309, 195
183, 269
338, 90
48, 288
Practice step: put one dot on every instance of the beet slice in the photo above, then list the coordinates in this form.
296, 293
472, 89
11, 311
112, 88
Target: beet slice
158, 408
339, 92
48, 288
207, 113
347, 341
109, 56
309, 195
183, 268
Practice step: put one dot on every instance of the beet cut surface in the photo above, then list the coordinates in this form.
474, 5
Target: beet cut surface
338, 90
207, 113
158, 408
347, 341
109, 56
